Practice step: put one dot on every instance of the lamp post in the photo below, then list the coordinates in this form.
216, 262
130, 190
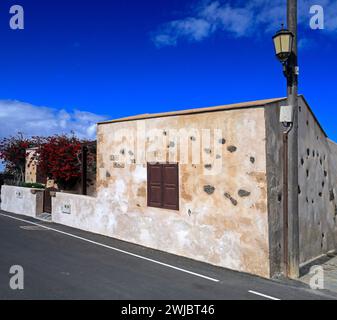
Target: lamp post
285, 42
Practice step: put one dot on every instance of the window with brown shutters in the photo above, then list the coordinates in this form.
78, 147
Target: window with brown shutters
163, 186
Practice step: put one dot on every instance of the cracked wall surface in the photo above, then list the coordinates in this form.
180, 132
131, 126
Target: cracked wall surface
222, 219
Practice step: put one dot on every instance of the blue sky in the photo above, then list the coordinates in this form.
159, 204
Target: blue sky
78, 62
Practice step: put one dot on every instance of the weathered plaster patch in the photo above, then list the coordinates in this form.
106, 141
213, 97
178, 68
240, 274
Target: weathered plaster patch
141, 192
140, 174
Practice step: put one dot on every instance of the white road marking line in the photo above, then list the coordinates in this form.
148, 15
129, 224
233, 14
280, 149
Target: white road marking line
263, 295
115, 249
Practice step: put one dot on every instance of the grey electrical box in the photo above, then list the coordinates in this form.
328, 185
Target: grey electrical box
286, 114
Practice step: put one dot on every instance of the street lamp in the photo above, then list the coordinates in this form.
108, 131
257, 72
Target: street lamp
283, 43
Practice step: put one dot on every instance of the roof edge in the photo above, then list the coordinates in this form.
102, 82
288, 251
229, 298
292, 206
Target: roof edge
331, 141
228, 107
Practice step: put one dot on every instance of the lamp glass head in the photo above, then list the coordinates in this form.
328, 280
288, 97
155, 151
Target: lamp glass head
283, 44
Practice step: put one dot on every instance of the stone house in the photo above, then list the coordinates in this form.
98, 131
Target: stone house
207, 184
221, 200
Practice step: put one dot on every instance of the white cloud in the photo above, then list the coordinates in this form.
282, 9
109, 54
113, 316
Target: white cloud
192, 28
16, 116
238, 19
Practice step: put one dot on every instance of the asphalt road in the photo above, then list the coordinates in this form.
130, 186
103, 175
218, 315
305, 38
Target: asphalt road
65, 263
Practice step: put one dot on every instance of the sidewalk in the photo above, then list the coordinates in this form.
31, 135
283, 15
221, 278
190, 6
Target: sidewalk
329, 264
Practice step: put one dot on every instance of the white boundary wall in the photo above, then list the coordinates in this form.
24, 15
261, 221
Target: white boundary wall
24, 201
76, 211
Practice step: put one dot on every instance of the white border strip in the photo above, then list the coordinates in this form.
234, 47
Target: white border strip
263, 295
115, 249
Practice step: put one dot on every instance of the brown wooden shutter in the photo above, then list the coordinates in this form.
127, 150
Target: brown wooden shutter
163, 186
170, 186
154, 185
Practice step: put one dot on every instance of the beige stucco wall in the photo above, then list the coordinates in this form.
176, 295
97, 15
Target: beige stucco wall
24, 201
222, 228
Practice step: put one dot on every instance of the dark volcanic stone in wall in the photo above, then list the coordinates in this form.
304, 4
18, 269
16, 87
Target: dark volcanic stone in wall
243, 193
228, 196
222, 141
232, 149
209, 189
171, 144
